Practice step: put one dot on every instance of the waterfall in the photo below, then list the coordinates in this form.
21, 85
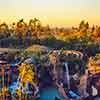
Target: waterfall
67, 74
17, 84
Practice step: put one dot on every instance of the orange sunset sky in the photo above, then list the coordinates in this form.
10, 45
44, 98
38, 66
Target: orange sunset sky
53, 12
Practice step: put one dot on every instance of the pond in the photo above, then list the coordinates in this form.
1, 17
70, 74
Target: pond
49, 94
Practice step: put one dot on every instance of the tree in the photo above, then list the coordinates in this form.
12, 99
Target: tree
81, 25
21, 28
33, 23
26, 75
34, 27
4, 31
83, 29
87, 25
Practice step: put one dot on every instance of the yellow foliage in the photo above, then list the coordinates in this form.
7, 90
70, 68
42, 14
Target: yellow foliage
62, 34
97, 56
93, 65
26, 73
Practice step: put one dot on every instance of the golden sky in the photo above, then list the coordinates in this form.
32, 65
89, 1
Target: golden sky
56, 12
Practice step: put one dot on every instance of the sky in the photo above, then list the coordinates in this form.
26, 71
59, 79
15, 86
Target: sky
53, 12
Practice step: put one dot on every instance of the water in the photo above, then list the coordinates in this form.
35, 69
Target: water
50, 94
67, 74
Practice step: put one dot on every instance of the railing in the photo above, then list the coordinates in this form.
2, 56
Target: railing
5, 72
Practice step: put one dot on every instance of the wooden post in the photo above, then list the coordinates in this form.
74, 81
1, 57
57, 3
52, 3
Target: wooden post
8, 74
3, 91
1, 81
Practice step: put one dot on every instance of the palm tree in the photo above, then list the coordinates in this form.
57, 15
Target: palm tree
35, 26
12, 29
81, 25
34, 23
83, 29
87, 25
4, 30
21, 28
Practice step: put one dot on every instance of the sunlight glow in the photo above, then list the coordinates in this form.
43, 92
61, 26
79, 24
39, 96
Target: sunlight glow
57, 12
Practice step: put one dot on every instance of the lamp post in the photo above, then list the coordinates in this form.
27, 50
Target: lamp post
2, 63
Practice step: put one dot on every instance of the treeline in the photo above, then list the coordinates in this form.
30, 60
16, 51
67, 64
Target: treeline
83, 45
22, 35
14, 42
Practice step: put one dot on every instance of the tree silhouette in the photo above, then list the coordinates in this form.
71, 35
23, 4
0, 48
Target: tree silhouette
81, 25
21, 28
